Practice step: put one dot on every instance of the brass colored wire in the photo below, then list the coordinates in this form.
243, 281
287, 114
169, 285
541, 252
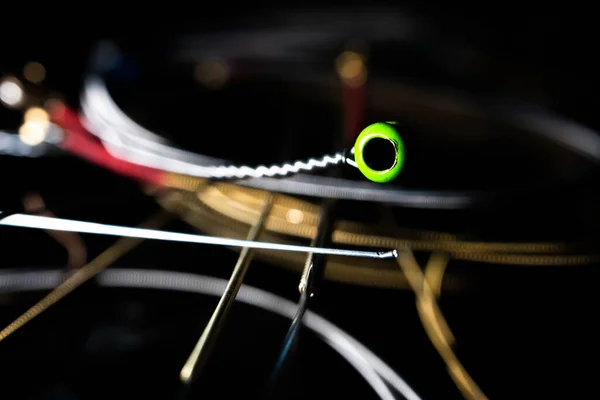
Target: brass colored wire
433, 320
85, 273
230, 205
199, 356
354, 271
242, 205
530, 260
434, 275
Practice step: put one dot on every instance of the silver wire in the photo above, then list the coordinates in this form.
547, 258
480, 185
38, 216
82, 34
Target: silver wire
373, 369
100, 110
69, 225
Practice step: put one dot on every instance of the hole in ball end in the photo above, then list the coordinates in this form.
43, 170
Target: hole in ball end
380, 154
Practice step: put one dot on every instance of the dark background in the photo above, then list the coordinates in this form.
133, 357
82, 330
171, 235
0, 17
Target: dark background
521, 331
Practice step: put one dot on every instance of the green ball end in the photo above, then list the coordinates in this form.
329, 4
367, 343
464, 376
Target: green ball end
379, 130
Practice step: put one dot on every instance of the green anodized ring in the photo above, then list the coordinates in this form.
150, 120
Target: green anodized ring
379, 130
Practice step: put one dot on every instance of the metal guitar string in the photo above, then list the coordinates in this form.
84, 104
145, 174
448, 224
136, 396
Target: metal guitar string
227, 172
292, 38
125, 139
372, 368
61, 224
116, 145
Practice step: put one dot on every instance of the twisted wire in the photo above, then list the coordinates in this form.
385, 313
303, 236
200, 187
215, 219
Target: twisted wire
277, 170
117, 132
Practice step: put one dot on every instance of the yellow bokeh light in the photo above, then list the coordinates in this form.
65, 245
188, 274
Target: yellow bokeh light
34, 72
37, 114
33, 133
351, 68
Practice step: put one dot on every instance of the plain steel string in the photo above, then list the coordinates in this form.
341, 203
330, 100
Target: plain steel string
348, 347
69, 225
96, 93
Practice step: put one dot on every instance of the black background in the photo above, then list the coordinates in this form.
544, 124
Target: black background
521, 332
